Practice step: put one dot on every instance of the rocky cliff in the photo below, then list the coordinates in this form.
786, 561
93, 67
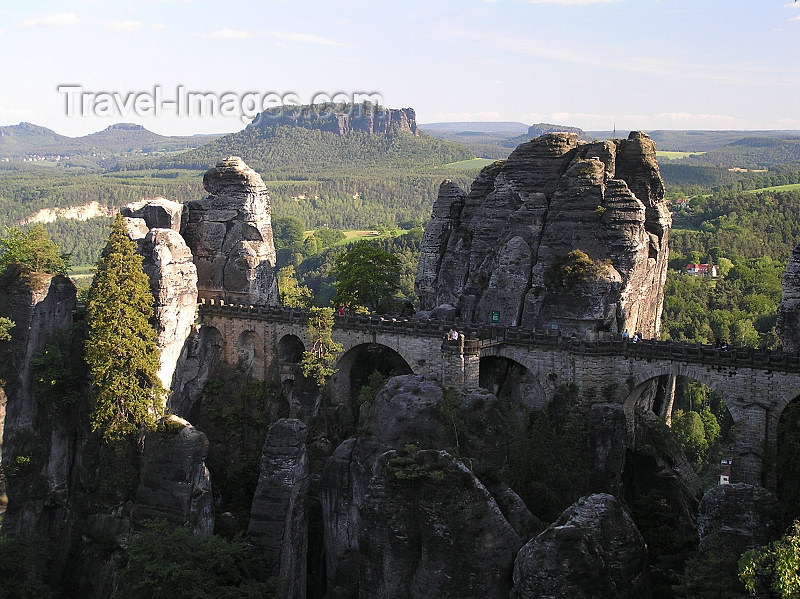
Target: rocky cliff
229, 233
506, 245
38, 446
788, 325
341, 118
155, 226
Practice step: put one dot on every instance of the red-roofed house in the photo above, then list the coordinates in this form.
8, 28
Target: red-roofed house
702, 270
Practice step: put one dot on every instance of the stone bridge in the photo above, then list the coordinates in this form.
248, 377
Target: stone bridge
755, 385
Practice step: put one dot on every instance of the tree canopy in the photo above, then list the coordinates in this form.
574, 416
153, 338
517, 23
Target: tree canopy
176, 563
34, 249
6, 324
319, 361
366, 276
121, 349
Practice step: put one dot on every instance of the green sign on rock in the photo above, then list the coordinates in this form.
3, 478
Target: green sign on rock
495, 316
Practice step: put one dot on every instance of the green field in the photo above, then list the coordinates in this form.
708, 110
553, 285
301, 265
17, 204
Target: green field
790, 187
668, 155
466, 165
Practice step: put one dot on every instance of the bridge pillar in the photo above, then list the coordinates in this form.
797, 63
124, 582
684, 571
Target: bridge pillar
750, 447
461, 362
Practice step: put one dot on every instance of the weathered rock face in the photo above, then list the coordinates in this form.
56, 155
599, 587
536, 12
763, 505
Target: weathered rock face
593, 551
40, 305
279, 514
741, 515
365, 503
230, 235
175, 484
498, 247
431, 529
340, 119
158, 213
788, 325
173, 282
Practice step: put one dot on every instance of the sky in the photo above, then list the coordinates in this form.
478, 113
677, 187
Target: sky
80, 66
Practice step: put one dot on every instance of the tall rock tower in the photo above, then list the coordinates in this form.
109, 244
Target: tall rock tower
230, 235
505, 251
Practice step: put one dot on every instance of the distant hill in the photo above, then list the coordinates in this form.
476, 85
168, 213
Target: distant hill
539, 129
752, 153
27, 141
299, 143
484, 139
513, 127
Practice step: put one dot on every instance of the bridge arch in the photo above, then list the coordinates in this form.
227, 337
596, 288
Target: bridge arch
353, 370
637, 383
290, 349
519, 355
250, 354
508, 379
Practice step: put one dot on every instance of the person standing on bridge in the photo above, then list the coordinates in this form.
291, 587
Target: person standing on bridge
625, 335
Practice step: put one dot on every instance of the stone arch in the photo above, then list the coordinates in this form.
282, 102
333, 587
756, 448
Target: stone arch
250, 354
654, 371
524, 358
509, 379
353, 369
290, 349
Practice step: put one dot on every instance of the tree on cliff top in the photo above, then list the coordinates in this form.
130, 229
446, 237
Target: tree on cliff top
34, 249
121, 350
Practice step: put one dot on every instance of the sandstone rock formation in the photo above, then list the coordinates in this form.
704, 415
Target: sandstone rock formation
230, 235
175, 484
788, 325
502, 246
40, 305
278, 517
340, 119
173, 282
158, 213
593, 551
406, 416
740, 515
431, 529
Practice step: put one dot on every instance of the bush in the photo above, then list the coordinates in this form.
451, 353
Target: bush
169, 563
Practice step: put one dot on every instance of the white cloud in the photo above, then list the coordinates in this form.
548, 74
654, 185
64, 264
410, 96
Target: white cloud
158, 26
1, 32
230, 34
124, 25
60, 19
305, 38
797, 18
610, 57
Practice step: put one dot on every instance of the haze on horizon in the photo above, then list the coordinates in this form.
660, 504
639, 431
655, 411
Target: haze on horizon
594, 64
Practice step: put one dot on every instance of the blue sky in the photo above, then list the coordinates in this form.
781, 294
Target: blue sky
636, 64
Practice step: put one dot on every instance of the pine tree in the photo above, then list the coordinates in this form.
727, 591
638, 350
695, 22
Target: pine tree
121, 349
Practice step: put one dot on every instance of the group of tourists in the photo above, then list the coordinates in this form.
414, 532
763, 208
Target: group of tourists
637, 336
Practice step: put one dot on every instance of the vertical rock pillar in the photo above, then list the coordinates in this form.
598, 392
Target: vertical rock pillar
279, 514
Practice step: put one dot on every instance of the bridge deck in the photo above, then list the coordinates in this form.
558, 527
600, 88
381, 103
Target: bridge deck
489, 335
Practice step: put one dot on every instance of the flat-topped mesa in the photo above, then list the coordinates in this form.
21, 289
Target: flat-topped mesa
504, 252
341, 118
230, 235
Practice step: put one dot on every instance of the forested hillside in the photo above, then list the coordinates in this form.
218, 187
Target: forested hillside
297, 153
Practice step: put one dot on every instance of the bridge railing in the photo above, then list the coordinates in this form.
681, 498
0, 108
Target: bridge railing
484, 336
